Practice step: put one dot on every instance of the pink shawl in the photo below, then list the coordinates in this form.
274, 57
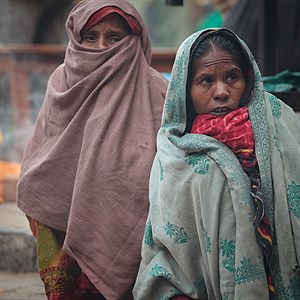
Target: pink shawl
86, 167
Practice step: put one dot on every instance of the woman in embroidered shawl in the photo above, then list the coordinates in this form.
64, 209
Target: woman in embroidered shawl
224, 218
85, 171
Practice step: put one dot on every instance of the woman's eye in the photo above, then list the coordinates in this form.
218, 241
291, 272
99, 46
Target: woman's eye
90, 38
115, 39
206, 81
232, 77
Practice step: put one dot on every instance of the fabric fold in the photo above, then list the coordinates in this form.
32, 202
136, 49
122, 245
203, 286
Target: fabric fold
86, 167
199, 237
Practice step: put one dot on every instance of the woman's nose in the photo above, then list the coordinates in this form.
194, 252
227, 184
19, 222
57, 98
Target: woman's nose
221, 92
101, 44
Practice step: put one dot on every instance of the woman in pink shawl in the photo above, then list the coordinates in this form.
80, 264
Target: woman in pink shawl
85, 171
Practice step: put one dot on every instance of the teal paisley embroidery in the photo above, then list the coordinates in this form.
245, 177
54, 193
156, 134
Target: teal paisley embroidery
207, 238
227, 247
294, 198
291, 291
258, 118
225, 297
176, 232
160, 271
247, 271
161, 172
170, 108
221, 154
173, 292
228, 264
276, 142
228, 251
175, 110
148, 237
199, 163
199, 284
237, 175
276, 107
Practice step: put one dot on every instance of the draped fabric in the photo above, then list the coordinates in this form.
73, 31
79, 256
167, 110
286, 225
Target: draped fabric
86, 167
200, 236
234, 130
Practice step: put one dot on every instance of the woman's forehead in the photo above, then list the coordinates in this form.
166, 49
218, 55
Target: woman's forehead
215, 57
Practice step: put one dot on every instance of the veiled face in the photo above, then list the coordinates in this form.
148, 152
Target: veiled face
110, 30
218, 84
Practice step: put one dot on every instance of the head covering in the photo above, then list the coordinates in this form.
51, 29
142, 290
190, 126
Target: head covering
86, 167
200, 236
101, 13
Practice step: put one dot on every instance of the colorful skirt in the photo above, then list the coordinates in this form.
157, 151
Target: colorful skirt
62, 277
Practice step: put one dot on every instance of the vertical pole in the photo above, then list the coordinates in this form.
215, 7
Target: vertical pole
174, 2
270, 36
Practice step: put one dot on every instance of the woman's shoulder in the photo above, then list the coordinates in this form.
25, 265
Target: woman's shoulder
158, 76
160, 81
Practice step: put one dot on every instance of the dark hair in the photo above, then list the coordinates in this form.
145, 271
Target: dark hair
223, 40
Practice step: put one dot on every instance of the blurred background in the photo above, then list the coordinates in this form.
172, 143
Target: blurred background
33, 41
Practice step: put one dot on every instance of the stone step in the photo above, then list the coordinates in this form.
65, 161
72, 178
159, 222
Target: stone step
17, 244
21, 286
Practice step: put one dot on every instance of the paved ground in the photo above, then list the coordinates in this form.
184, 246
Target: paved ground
13, 218
17, 244
21, 286
19, 279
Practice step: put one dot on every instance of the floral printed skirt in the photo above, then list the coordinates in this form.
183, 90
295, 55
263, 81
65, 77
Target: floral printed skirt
60, 273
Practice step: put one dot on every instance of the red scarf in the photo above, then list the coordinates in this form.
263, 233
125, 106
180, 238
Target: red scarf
234, 130
103, 12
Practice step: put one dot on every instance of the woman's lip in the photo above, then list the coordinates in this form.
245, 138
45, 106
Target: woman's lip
220, 111
221, 108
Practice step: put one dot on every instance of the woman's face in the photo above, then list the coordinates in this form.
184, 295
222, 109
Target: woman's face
217, 84
110, 30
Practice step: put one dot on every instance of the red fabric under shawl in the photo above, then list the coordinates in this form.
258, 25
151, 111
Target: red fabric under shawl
233, 129
101, 13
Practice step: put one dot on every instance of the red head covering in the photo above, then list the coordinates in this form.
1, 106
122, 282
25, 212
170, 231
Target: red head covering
103, 12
